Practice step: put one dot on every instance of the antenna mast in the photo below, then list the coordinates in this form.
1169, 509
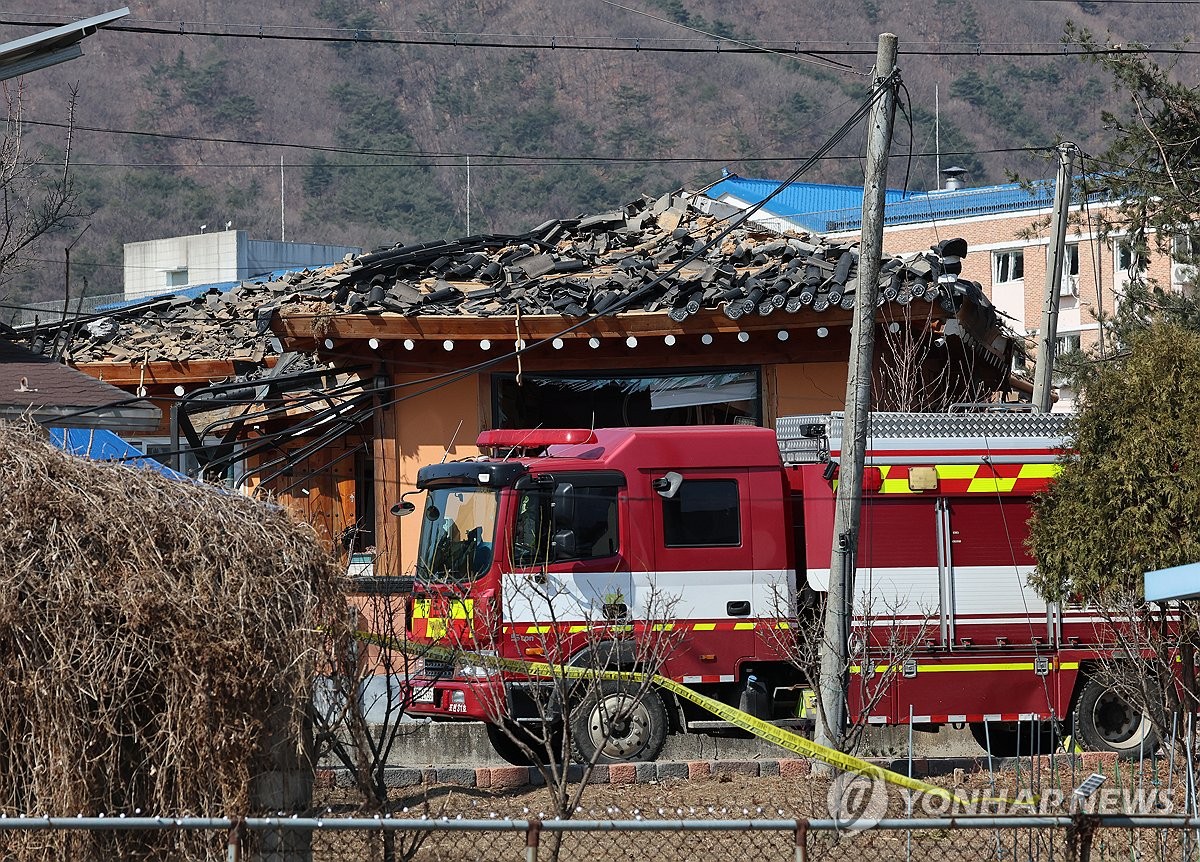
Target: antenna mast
937, 139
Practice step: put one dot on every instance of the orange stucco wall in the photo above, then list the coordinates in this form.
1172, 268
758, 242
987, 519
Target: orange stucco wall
815, 387
426, 424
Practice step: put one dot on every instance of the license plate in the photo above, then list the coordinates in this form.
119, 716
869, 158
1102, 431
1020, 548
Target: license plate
422, 694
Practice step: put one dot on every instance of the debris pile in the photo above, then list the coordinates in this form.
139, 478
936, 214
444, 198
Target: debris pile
601, 264
158, 644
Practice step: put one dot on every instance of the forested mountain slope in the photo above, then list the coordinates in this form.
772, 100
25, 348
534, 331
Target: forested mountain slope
578, 110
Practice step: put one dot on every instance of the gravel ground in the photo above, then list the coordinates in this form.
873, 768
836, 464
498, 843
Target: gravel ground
735, 797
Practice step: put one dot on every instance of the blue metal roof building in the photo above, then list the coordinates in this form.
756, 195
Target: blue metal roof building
808, 205
834, 209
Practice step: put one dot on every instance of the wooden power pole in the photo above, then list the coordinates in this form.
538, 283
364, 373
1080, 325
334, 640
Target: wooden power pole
1048, 335
840, 600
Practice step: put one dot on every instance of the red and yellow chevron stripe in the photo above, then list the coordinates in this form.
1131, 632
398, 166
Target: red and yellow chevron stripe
972, 478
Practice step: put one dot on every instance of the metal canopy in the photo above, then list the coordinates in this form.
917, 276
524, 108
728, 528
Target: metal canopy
53, 46
1177, 582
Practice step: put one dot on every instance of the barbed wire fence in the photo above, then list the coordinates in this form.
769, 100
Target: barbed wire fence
1077, 838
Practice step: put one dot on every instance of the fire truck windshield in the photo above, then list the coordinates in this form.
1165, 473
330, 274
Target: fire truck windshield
457, 533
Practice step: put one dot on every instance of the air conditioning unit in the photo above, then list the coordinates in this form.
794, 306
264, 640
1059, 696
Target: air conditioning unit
1182, 273
1069, 286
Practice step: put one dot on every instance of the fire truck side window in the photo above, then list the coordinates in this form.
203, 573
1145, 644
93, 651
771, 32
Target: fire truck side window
704, 513
595, 525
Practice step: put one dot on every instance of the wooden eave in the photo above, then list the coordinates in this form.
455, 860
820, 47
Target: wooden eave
296, 330
167, 373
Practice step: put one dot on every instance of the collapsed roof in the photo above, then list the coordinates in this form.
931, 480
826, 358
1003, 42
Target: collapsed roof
603, 264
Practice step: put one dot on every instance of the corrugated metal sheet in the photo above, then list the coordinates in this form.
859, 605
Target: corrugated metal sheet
808, 204
831, 209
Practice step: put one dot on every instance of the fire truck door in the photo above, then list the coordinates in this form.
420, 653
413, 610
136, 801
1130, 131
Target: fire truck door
984, 570
898, 583
703, 560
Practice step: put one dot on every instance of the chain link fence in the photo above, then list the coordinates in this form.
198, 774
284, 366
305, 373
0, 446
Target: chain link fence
342, 839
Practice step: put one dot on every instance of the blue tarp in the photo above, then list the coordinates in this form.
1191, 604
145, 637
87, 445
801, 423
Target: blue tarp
100, 445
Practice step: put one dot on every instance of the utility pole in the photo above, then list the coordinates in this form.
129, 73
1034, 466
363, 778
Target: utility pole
840, 599
1048, 336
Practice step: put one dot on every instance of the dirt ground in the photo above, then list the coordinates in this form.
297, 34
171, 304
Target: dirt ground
1024, 788
737, 797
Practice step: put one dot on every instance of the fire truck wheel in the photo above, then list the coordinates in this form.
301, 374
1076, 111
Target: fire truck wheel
514, 744
1103, 721
611, 725
1014, 739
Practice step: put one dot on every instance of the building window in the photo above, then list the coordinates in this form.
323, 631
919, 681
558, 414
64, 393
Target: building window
1128, 260
1008, 266
1185, 256
177, 277
1066, 343
727, 396
1186, 247
704, 513
1071, 260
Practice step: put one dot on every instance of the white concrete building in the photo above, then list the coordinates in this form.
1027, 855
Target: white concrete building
173, 264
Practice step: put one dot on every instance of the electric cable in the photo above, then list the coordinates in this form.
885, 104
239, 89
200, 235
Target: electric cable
639, 44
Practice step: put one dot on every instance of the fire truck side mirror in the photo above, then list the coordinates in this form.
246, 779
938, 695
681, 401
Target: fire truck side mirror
564, 505
566, 545
404, 507
667, 486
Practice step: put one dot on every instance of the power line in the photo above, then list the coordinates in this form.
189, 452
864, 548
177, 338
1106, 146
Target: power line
517, 161
651, 45
579, 160
738, 42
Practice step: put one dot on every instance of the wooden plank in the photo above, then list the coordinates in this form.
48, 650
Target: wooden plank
387, 485
164, 373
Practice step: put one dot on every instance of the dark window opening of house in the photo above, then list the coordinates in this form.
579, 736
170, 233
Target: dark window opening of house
361, 534
634, 400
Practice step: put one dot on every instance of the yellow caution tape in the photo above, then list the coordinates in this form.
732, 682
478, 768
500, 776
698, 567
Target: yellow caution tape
784, 738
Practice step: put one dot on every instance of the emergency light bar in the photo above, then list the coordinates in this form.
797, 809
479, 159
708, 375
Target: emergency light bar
533, 438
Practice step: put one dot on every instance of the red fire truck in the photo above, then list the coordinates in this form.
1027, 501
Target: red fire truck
733, 525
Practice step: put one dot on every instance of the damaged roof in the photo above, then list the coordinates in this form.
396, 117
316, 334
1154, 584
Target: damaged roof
602, 264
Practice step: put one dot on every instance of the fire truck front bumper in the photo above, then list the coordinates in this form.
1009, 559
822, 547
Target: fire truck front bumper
479, 699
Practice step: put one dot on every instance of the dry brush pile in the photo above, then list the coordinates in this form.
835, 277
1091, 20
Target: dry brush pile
158, 639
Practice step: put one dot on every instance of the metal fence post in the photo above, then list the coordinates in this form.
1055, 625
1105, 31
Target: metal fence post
802, 840
532, 835
1079, 837
234, 852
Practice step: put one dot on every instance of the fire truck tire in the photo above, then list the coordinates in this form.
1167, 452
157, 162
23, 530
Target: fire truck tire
1103, 721
507, 742
610, 725
1007, 739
